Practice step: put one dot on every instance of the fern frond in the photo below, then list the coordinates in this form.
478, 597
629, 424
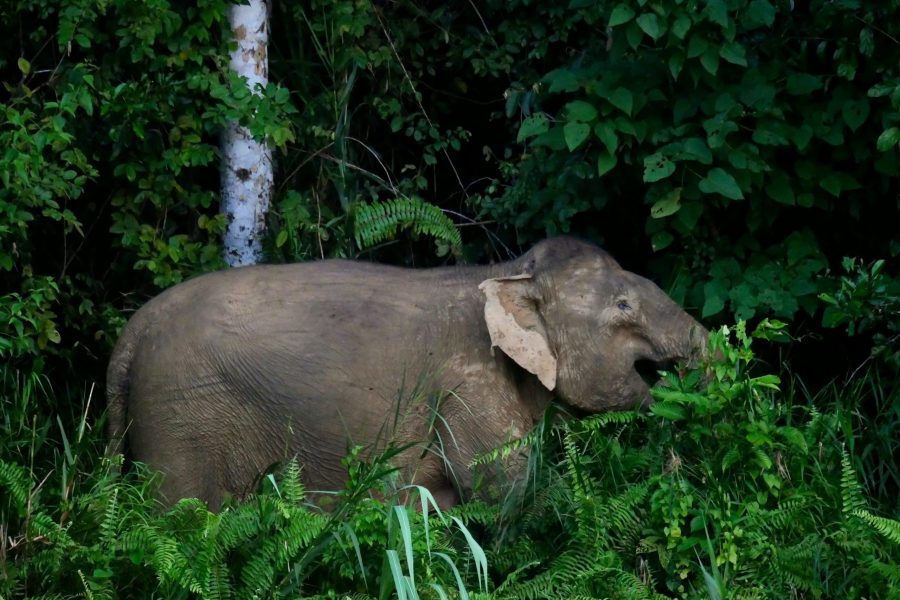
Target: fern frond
789, 512
793, 566
600, 420
110, 523
381, 221
576, 474
238, 525
888, 572
851, 492
622, 514
291, 486
580, 572
505, 450
16, 480
296, 530
889, 528
218, 583
473, 511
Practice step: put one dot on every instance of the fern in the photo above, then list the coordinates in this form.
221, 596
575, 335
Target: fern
109, 525
851, 493
506, 449
292, 489
622, 513
380, 221
294, 531
889, 528
16, 480
581, 572
600, 420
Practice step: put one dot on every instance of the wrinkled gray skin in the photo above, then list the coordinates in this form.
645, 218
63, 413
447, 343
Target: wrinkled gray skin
221, 376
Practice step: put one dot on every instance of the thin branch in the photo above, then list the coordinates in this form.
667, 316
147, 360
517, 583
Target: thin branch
412, 85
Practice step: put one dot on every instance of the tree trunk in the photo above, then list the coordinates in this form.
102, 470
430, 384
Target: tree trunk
246, 163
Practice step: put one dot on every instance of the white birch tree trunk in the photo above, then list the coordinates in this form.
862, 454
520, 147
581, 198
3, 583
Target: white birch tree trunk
247, 179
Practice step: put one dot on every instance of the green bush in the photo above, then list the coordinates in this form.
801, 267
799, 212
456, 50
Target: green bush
742, 135
731, 489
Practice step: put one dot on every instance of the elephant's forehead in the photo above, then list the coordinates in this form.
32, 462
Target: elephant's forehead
593, 283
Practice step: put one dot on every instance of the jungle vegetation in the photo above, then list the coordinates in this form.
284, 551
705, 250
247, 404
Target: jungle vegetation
745, 154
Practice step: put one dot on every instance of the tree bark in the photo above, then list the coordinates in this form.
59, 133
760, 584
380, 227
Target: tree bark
247, 178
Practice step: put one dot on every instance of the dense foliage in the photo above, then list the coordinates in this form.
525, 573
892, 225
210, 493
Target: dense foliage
743, 152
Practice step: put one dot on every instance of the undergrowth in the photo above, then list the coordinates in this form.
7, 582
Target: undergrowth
733, 485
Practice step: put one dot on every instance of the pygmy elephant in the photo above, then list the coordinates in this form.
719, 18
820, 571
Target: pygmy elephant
221, 376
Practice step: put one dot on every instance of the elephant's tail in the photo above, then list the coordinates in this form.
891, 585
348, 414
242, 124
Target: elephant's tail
118, 380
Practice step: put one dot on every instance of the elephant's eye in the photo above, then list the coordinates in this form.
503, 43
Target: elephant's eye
623, 305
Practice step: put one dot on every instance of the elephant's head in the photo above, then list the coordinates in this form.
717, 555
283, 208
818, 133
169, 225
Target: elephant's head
583, 325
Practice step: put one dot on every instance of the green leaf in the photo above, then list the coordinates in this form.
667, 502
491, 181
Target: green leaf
855, 113
24, 66
670, 411
649, 24
622, 99
667, 205
847, 70
607, 134
780, 189
715, 293
634, 35
561, 80
831, 184
766, 137
759, 438
696, 149
719, 181
803, 83
879, 90
676, 63
579, 110
656, 167
801, 136
888, 139
660, 240
710, 61
697, 46
575, 134
620, 14
717, 12
605, 163
760, 13
281, 239
531, 126
734, 53
866, 42
681, 26
836, 183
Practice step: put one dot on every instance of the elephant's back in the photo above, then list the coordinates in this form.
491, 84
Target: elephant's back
299, 329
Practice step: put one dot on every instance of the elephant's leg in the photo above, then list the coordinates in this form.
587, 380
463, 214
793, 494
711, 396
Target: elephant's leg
474, 426
424, 465
186, 469
446, 496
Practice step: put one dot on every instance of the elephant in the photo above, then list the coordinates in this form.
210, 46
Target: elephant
220, 377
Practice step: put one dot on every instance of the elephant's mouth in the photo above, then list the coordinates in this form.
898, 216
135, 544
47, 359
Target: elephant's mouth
649, 369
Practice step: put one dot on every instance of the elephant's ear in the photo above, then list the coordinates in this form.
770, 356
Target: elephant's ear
516, 326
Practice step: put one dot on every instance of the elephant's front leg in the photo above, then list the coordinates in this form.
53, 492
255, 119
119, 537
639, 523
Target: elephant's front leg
470, 426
